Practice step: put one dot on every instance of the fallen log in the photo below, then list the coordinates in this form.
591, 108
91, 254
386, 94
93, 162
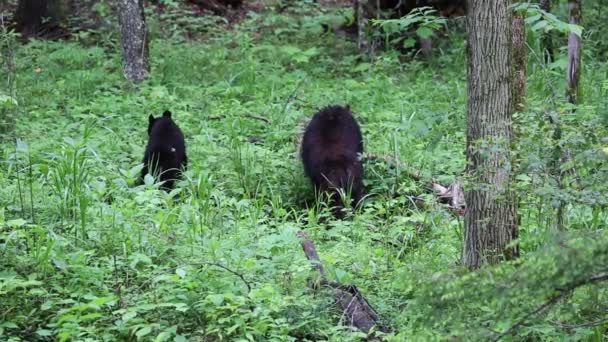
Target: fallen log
217, 7
356, 310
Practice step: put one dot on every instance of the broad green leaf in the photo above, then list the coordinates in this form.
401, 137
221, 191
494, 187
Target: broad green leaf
22, 146
7, 101
424, 32
217, 299
541, 25
143, 331
16, 223
129, 315
341, 275
44, 332
576, 29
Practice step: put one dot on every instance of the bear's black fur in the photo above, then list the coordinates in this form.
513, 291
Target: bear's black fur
330, 148
166, 150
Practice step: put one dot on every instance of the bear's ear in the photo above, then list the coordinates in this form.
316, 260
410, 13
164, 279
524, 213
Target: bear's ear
347, 107
167, 114
151, 120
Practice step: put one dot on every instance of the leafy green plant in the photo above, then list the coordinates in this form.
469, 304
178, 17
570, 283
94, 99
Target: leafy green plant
70, 180
540, 20
421, 19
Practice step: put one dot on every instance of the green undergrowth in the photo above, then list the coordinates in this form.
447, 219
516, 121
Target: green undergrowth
87, 255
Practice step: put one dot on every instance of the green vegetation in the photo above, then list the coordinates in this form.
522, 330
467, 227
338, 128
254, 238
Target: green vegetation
86, 255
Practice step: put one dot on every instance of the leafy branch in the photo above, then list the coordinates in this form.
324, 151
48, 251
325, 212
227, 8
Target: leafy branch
562, 292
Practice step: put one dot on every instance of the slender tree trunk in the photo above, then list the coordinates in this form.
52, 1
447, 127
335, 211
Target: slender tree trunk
519, 61
491, 220
547, 41
135, 53
520, 56
33, 16
426, 44
573, 71
362, 41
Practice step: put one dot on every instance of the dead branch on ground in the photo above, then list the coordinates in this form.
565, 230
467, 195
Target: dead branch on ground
356, 310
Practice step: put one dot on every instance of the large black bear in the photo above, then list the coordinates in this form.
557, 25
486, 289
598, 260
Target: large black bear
166, 150
330, 148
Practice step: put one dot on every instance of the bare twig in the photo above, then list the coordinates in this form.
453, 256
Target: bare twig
261, 118
582, 325
291, 96
172, 269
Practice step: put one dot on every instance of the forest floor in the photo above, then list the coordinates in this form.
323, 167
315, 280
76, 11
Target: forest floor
87, 255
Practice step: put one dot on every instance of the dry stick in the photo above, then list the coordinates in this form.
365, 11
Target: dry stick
255, 117
292, 96
554, 299
355, 308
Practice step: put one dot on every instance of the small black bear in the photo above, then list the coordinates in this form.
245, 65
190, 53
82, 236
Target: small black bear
166, 150
330, 148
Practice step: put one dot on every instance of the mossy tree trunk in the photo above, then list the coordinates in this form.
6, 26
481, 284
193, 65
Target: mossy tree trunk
491, 221
134, 38
519, 61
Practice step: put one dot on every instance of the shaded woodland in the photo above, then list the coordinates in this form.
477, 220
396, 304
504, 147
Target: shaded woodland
303, 170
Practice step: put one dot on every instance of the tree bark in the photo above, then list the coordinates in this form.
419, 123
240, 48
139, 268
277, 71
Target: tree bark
519, 61
491, 220
362, 42
573, 71
33, 16
135, 51
547, 41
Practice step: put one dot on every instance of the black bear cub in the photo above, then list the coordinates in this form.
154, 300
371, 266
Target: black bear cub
330, 148
165, 154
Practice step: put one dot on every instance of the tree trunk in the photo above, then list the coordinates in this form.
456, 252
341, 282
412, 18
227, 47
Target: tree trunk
573, 71
519, 61
33, 17
135, 53
362, 42
547, 41
491, 220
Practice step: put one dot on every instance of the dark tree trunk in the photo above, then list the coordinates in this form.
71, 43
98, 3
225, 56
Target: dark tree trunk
35, 18
573, 71
519, 61
491, 221
547, 41
134, 37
